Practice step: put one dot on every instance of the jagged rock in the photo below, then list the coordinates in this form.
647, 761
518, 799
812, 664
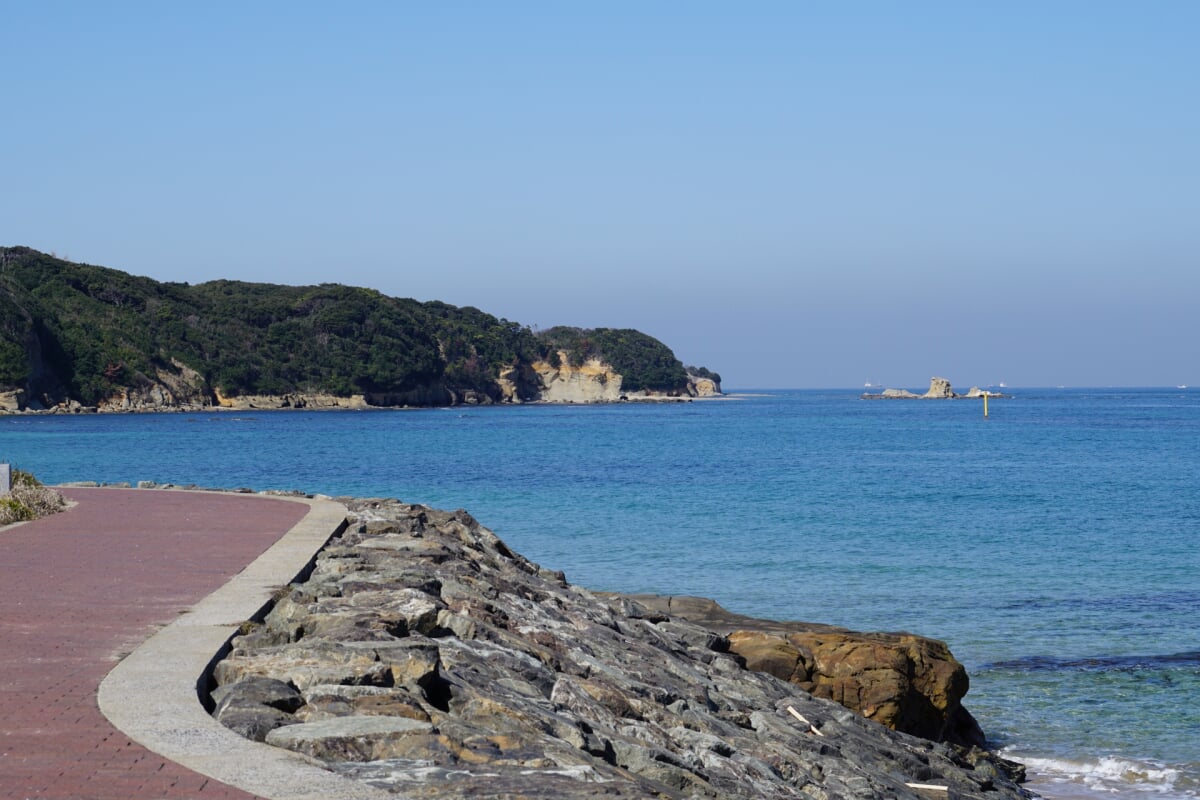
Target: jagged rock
348, 738
313, 662
522, 685
256, 706
334, 700
906, 682
519, 384
169, 388
939, 389
14, 400
975, 393
707, 384
259, 691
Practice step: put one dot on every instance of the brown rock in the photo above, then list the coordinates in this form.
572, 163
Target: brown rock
774, 655
906, 682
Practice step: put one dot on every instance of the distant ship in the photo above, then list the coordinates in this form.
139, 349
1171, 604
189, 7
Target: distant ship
1181, 386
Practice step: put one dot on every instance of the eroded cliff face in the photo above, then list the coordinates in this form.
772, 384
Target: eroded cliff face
594, 381
519, 384
15, 400
272, 402
703, 387
179, 387
167, 390
591, 382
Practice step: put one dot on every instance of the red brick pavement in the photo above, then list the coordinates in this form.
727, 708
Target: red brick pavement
80, 589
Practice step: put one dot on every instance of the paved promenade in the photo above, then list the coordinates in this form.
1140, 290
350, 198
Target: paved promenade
79, 590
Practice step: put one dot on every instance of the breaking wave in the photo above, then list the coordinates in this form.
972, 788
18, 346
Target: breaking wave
1108, 776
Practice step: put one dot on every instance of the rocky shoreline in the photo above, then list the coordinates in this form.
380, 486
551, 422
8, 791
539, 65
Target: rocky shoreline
592, 384
424, 656
319, 403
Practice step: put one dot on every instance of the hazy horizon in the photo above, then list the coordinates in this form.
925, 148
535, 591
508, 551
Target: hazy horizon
793, 195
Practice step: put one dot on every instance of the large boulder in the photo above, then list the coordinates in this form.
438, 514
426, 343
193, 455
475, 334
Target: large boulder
256, 706
908, 683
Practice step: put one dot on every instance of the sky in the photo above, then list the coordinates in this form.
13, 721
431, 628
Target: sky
793, 194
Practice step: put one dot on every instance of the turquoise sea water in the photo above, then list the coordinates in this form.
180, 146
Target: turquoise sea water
1055, 546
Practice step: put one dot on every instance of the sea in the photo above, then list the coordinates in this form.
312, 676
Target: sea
1054, 545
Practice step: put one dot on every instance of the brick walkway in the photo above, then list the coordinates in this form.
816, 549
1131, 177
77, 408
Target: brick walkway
80, 589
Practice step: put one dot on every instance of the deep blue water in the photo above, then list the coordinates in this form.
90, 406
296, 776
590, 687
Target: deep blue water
1054, 545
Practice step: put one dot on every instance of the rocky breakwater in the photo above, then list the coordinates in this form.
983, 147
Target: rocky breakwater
425, 656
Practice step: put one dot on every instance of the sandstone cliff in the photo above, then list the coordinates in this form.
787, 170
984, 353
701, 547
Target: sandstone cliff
595, 381
591, 382
424, 655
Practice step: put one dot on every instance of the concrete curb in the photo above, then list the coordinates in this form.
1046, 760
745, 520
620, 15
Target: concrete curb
153, 695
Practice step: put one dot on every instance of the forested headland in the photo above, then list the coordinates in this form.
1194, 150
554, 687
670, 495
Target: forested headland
95, 336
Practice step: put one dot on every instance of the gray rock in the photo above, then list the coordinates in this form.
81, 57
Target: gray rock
256, 706
258, 690
433, 660
351, 738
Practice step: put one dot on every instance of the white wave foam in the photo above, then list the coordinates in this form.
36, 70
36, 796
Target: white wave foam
1106, 775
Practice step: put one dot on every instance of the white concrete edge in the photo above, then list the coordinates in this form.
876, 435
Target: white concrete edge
152, 695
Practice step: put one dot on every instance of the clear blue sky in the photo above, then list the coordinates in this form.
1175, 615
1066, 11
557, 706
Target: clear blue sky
794, 194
